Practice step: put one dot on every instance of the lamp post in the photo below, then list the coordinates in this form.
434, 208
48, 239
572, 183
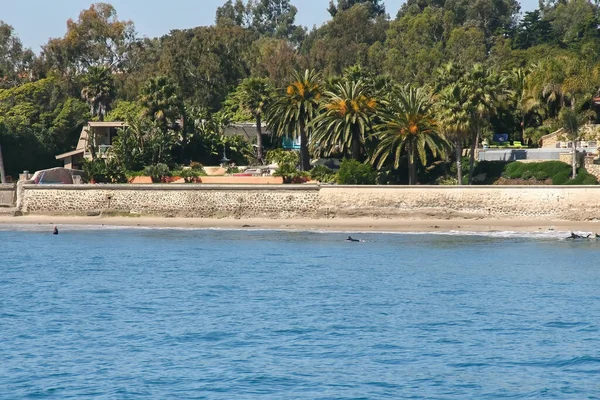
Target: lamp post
224, 160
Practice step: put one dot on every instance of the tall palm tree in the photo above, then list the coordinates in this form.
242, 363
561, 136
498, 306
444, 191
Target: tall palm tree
98, 91
571, 122
161, 103
454, 120
408, 123
485, 92
254, 95
345, 120
545, 83
294, 109
516, 82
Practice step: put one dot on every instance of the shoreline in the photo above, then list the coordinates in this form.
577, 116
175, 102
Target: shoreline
325, 225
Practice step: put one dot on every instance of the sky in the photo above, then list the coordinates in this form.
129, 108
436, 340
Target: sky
35, 21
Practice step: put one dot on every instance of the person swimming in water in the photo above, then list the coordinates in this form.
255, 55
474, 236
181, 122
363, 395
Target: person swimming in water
576, 236
350, 239
55, 231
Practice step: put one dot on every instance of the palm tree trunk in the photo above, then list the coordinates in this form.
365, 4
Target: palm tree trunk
412, 174
574, 161
459, 174
304, 156
474, 145
259, 149
356, 147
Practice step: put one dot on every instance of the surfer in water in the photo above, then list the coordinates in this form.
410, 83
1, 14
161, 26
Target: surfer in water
351, 239
576, 236
55, 231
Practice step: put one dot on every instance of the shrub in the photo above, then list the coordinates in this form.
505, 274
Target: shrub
541, 175
513, 170
287, 162
561, 178
232, 170
583, 178
281, 156
190, 175
353, 172
196, 166
95, 170
157, 172
322, 173
289, 173
558, 171
104, 171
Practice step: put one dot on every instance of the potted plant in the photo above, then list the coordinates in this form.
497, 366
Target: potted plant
157, 172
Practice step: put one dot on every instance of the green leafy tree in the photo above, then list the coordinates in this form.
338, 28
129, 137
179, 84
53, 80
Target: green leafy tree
415, 46
375, 7
533, 30
207, 63
294, 110
38, 120
232, 13
345, 120
335, 46
15, 61
97, 38
275, 18
408, 123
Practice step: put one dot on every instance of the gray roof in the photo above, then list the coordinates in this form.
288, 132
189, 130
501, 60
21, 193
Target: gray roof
246, 130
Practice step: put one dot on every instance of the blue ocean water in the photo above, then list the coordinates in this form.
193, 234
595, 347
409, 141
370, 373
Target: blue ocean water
101, 313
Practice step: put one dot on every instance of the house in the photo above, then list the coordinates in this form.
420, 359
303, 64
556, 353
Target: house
554, 146
590, 135
97, 134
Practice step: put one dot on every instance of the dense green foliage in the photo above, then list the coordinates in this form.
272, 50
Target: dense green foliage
344, 89
353, 172
558, 172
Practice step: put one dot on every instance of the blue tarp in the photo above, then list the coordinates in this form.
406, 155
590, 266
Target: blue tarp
500, 137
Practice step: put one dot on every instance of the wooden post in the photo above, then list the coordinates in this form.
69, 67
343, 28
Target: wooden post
2, 175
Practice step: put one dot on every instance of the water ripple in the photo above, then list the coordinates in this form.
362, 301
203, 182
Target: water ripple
215, 314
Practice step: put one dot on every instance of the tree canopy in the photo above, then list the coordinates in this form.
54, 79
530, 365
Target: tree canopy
484, 66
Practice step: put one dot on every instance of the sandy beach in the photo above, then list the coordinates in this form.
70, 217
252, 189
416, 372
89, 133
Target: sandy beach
346, 225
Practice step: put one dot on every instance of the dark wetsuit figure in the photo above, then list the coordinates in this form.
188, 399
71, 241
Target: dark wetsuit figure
350, 239
576, 236
55, 231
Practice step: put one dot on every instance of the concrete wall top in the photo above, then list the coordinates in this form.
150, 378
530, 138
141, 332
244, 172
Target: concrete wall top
287, 187
173, 187
7, 186
461, 188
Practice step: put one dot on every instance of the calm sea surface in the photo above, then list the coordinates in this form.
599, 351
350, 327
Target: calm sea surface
192, 314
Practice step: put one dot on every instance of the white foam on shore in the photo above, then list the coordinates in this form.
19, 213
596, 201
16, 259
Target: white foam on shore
548, 234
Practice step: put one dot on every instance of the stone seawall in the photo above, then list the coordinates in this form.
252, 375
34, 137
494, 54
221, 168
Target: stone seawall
7, 194
570, 203
201, 201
